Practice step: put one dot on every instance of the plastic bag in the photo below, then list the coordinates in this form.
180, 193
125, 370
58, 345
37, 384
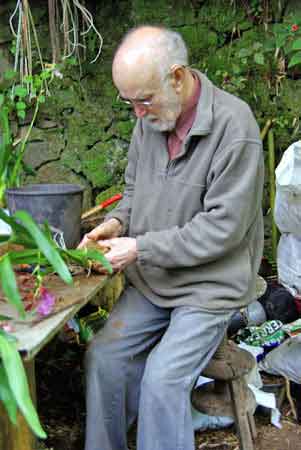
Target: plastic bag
285, 360
203, 422
287, 212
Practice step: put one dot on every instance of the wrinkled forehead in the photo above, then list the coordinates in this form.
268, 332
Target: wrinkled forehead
136, 74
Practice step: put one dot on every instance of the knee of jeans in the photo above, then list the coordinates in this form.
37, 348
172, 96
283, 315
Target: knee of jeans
156, 377
96, 354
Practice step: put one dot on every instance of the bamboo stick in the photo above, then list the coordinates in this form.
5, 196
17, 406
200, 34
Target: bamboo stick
266, 128
271, 156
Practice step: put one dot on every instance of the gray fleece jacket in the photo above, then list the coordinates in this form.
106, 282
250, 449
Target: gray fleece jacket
197, 218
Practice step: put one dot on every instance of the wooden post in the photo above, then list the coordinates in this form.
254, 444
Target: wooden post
19, 437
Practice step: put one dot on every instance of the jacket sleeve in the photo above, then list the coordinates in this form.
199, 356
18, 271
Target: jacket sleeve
123, 211
231, 204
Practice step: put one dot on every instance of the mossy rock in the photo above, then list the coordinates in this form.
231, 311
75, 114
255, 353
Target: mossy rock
104, 163
123, 129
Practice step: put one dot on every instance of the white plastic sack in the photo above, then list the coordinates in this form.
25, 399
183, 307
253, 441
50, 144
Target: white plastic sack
287, 211
287, 215
289, 262
288, 170
285, 360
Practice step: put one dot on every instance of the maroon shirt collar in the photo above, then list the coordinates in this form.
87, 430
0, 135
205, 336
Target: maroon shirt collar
186, 119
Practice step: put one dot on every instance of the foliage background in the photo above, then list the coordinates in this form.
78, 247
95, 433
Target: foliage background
82, 132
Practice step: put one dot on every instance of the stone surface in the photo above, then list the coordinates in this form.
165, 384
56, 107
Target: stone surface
44, 146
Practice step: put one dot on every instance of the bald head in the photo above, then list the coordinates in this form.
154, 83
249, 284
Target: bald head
146, 54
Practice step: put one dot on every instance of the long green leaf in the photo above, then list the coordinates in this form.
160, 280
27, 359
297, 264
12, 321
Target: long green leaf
296, 59
7, 336
16, 375
45, 246
28, 256
100, 257
2, 317
296, 44
4, 238
9, 285
21, 234
6, 396
6, 137
83, 256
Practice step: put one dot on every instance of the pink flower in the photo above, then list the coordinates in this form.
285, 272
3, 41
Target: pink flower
46, 302
294, 27
7, 327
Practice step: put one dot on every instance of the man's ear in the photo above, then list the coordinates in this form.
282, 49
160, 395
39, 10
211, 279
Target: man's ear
177, 73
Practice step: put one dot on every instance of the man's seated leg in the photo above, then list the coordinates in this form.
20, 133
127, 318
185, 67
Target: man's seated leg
164, 419
115, 363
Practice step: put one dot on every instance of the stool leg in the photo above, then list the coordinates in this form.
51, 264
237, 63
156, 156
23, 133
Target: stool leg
238, 388
252, 425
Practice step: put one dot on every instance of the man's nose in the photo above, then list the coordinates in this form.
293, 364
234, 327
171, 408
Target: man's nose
140, 110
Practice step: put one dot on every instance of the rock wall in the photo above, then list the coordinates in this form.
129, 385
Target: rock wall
82, 132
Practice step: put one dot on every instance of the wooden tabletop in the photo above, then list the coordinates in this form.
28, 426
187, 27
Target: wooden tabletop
34, 336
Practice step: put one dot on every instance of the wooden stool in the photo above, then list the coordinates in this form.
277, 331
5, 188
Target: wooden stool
231, 395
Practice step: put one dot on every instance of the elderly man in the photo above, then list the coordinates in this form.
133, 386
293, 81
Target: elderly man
191, 214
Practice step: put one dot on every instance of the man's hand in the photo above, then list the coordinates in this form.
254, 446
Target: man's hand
123, 251
107, 230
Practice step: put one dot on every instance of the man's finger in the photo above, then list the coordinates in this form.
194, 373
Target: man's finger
83, 242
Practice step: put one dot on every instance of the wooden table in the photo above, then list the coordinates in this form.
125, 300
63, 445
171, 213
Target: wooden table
32, 338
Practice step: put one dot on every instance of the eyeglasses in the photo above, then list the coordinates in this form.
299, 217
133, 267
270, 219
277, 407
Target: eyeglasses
144, 102
126, 101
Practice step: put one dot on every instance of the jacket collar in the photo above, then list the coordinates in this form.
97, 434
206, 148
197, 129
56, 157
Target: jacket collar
203, 122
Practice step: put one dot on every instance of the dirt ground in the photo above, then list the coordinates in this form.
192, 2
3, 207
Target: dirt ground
60, 388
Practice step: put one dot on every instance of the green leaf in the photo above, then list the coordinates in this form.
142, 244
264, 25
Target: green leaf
96, 255
21, 113
83, 256
20, 91
257, 45
244, 53
41, 99
5, 317
2, 98
280, 40
20, 105
6, 396
18, 229
27, 79
45, 75
295, 60
72, 61
45, 246
4, 238
296, 44
259, 58
9, 285
10, 74
8, 337
16, 376
27, 257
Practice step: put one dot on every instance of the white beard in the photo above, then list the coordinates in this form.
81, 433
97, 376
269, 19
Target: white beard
161, 125
169, 114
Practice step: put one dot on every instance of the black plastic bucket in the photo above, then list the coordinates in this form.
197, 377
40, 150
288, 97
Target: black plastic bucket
59, 204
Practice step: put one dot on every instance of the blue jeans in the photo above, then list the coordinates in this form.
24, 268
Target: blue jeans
143, 364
